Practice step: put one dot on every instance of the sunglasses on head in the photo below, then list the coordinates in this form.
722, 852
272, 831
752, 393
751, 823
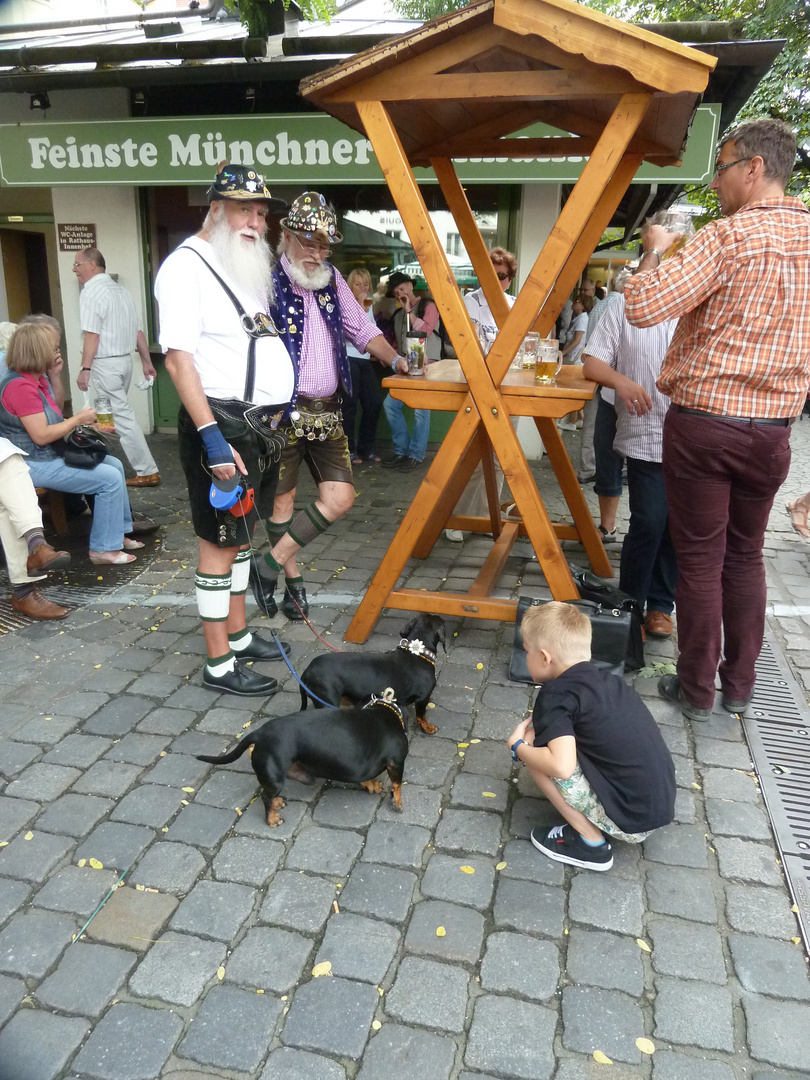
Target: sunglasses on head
502, 276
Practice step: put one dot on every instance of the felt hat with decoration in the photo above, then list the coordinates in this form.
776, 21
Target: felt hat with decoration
311, 216
243, 184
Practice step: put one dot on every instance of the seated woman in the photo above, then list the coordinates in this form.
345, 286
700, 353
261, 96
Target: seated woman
30, 418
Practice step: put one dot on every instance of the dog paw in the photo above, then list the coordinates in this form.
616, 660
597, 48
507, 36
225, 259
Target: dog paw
373, 786
273, 820
396, 795
278, 803
426, 726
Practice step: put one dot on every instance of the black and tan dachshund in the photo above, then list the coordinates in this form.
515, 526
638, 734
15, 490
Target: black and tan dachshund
352, 745
409, 669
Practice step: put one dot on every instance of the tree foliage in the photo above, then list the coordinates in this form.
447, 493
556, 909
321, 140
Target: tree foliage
256, 14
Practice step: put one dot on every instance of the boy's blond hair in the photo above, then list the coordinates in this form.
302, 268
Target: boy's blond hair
562, 629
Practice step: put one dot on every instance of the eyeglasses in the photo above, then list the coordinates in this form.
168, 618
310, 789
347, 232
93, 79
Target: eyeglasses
503, 277
719, 168
313, 245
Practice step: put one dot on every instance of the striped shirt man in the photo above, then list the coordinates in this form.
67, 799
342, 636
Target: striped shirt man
106, 309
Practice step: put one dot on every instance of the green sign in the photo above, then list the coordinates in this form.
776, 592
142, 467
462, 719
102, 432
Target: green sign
295, 148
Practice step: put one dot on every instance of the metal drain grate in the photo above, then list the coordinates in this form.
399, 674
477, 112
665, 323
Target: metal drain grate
777, 727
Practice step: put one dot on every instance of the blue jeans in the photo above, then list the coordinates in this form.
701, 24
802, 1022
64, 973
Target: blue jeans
609, 464
111, 513
649, 567
405, 444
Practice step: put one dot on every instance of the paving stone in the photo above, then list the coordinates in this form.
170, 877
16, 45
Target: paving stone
248, 861
179, 771
177, 968
669, 1065
492, 1044
37, 1044
228, 789
606, 1020
427, 773
346, 808
87, 978
586, 1069
730, 784
14, 815
600, 959
12, 991
678, 845
115, 844
429, 995
524, 861
514, 964
678, 1020
287, 1063
132, 919
378, 890
464, 932
685, 813
777, 1031
737, 819
529, 908
33, 941
232, 1029
138, 748
155, 684
214, 909
528, 814
45, 730
687, 951
609, 904
108, 779
14, 757
672, 890
756, 910
488, 794
13, 895
399, 846
253, 822
465, 831
488, 758
401, 1051
444, 879
75, 889
33, 860
198, 698
202, 826
42, 782
82, 704
148, 804
332, 1015
197, 742
78, 750
269, 959
298, 901
130, 1042
720, 752
167, 721
118, 716
326, 851
420, 806
770, 967
358, 948
74, 815
171, 868
747, 861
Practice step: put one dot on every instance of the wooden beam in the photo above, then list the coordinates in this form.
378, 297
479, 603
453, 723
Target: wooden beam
515, 149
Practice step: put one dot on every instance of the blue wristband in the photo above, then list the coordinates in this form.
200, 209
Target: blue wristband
219, 453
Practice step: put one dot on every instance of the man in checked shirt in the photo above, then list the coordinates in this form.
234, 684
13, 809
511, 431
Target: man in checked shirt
737, 374
316, 312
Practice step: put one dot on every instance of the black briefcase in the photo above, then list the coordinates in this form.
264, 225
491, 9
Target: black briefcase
611, 631
606, 594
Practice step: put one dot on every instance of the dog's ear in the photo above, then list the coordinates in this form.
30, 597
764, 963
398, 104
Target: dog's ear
406, 630
441, 633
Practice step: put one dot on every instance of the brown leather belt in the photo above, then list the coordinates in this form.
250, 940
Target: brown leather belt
773, 421
318, 404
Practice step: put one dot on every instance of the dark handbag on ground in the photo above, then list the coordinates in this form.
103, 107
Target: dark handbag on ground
81, 448
605, 593
611, 630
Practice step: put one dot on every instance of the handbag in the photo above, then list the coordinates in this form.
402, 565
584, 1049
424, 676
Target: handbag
81, 448
605, 593
611, 630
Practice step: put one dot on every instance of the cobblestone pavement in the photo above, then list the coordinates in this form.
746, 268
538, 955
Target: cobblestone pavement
200, 965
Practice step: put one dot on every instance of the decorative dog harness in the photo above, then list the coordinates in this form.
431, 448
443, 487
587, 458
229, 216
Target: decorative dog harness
418, 648
387, 698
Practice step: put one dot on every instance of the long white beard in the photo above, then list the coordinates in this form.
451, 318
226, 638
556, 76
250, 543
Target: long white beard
309, 279
248, 263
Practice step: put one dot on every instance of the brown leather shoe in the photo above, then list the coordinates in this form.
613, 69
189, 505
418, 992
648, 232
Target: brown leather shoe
45, 558
35, 606
150, 480
658, 625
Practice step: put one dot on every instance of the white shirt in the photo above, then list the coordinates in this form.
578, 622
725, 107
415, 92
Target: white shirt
8, 449
637, 352
198, 317
479, 311
106, 309
580, 323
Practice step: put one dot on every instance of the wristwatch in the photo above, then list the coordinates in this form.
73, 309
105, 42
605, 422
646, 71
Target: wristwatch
514, 746
653, 251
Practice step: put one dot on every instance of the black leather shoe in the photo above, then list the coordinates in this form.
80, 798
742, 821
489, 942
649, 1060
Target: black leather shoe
409, 464
243, 681
263, 585
393, 461
737, 707
295, 594
259, 649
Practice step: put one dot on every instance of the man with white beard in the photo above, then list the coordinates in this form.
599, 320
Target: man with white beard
316, 311
235, 379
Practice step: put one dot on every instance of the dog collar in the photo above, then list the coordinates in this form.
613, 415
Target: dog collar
387, 698
418, 648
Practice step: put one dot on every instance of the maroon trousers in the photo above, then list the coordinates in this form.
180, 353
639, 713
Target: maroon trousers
721, 478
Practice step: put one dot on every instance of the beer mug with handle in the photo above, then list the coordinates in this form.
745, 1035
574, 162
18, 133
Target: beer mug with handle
548, 361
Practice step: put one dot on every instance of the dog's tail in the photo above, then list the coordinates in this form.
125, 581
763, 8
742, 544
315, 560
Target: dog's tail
226, 759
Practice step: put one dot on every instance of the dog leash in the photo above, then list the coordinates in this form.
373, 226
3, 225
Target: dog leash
303, 686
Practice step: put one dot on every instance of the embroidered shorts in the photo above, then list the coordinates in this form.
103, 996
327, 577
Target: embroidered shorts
579, 795
327, 457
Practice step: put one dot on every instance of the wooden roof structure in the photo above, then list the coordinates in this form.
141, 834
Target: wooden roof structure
458, 87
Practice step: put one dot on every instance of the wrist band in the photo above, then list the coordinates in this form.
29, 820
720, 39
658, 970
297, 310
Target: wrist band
217, 449
85, 369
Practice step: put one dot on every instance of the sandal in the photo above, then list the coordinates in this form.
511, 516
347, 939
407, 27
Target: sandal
798, 512
373, 457
356, 460
110, 558
132, 545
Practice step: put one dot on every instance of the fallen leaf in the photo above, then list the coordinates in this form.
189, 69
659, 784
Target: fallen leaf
462, 745
165, 828
795, 909
324, 968
380, 991
696, 786
190, 790
646, 1046
247, 725
479, 667
3, 843
260, 991
220, 973
796, 940
468, 869
474, 741
500, 866
440, 931
96, 666
163, 753
642, 944
28, 836
489, 794
376, 1025
140, 888
184, 802
82, 862
431, 705
603, 1059
461, 753
96, 864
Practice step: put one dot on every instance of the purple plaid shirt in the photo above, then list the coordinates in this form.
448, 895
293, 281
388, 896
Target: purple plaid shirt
318, 375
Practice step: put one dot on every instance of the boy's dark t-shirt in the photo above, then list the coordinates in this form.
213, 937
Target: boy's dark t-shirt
619, 747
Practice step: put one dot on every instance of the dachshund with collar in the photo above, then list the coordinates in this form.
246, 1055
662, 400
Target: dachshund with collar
410, 670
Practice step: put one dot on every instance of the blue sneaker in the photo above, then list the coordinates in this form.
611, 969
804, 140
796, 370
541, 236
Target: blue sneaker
564, 844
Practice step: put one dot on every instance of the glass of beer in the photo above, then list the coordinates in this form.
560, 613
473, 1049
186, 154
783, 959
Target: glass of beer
529, 349
416, 352
548, 361
104, 415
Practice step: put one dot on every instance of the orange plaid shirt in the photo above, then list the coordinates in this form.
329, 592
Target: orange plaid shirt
741, 291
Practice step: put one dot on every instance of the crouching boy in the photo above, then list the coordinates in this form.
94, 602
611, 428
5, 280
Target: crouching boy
591, 745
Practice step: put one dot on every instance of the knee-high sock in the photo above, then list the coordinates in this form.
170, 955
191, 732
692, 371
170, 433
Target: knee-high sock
240, 573
213, 603
307, 524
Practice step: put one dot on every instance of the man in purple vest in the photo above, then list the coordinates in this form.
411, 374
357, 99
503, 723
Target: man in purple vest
315, 311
